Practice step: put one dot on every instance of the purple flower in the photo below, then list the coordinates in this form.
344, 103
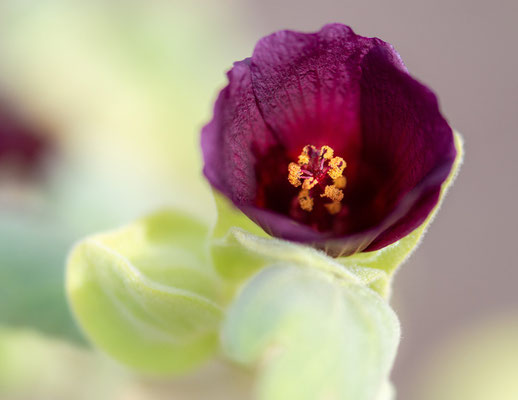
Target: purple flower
22, 147
325, 139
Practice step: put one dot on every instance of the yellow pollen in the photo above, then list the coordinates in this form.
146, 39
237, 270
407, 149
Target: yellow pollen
326, 152
305, 200
294, 171
304, 156
303, 159
334, 208
309, 184
312, 169
333, 193
337, 166
340, 182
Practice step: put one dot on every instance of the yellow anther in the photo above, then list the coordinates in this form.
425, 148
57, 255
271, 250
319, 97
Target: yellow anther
305, 200
337, 166
303, 159
304, 156
309, 184
326, 152
333, 208
340, 182
332, 192
316, 167
309, 147
294, 174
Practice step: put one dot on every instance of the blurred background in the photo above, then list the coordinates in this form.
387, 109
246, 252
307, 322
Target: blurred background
101, 104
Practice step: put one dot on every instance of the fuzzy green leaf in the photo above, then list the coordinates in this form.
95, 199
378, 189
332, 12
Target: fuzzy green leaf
312, 336
146, 294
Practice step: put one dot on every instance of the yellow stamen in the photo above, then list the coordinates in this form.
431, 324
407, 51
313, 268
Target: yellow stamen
308, 172
332, 192
304, 156
294, 171
303, 159
305, 200
340, 182
333, 208
309, 184
337, 166
326, 152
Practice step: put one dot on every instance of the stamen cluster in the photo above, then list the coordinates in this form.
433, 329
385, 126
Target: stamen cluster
318, 170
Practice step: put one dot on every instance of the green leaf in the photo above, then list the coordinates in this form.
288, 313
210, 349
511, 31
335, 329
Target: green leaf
147, 294
240, 254
312, 336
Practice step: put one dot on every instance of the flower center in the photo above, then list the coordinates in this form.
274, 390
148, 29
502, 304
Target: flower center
318, 171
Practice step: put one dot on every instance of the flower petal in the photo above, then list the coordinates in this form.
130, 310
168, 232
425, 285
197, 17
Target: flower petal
307, 87
406, 137
228, 140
